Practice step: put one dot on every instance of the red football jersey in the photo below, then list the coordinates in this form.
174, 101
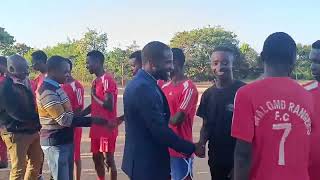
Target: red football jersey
75, 92
182, 97
314, 88
36, 83
102, 86
160, 83
274, 115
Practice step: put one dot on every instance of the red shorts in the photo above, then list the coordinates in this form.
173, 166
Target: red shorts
104, 144
77, 143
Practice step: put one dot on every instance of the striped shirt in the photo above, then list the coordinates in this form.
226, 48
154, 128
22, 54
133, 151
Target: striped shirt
55, 114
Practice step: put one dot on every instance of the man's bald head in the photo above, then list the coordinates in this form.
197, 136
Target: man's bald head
157, 59
18, 66
154, 51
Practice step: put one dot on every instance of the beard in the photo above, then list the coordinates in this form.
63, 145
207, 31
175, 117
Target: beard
162, 75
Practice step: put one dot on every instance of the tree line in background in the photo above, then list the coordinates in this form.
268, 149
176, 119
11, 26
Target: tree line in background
197, 45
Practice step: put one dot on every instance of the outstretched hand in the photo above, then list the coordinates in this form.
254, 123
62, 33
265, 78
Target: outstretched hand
78, 112
102, 122
200, 150
120, 119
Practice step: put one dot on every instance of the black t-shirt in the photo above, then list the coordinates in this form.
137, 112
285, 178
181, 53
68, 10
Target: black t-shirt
217, 107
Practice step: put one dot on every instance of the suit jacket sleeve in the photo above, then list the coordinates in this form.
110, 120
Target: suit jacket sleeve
151, 110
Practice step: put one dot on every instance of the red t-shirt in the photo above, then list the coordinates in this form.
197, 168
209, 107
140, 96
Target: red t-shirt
274, 115
314, 169
103, 85
160, 83
75, 92
36, 83
182, 97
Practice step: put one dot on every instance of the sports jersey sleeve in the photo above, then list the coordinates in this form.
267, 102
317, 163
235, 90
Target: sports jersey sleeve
110, 86
243, 118
151, 112
189, 99
160, 83
80, 95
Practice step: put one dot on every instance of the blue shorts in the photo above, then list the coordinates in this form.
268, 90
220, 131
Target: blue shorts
181, 168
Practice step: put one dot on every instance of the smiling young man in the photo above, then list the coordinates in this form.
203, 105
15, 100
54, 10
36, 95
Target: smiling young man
216, 110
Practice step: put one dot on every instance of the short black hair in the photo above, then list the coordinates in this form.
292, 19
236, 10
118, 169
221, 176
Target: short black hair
70, 63
316, 45
137, 56
3, 61
178, 56
279, 49
153, 51
55, 62
40, 56
96, 55
224, 49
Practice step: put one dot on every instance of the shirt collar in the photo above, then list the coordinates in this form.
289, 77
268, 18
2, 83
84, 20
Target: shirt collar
18, 81
52, 82
26, 82
147, 75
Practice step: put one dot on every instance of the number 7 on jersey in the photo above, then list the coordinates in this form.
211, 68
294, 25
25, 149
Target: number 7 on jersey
287, 128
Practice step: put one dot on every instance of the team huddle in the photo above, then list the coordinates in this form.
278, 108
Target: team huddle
264, 130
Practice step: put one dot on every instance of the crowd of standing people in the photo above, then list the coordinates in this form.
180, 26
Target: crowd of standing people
267, 129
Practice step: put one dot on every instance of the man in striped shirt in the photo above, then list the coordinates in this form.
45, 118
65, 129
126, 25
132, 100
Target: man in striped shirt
182, 96
58, 121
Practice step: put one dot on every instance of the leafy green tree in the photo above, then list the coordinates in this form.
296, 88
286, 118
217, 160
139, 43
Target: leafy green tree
6, 42
302, 70
118, 64
21, 48
250, 67
198, 45
133, 47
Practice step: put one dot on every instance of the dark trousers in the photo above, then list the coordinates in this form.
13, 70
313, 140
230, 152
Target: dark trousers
220, 172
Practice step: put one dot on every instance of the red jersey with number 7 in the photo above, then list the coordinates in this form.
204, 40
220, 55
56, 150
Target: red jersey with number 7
274, 115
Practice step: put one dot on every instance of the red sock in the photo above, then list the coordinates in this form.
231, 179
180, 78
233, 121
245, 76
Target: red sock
101, 178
